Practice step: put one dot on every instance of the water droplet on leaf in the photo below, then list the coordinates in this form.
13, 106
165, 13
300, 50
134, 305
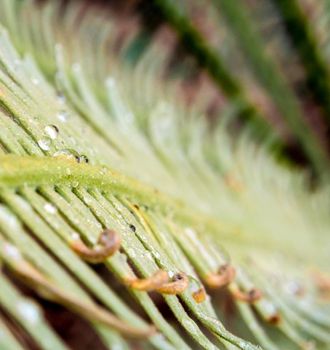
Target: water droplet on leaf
83, 159
131, 253
61, 98
63, 116
45, 143
35, 81
75, 184
51, 131
11, 251
50, 208
67, 153
75, 236
29, 311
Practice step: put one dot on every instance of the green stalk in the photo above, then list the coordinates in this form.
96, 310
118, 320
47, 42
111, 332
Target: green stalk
16, 171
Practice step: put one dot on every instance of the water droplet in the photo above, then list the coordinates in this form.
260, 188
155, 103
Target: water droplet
269, 308
131, 253
148, 255
35, 81
75, 236
293, 288
11, 251
29, 311
9, 218
45, 143
194, 284
156, 255
61, 98
83, 159
67, 153
132, 227
63, 116
50, 208
75, 184
51, 131
171, 274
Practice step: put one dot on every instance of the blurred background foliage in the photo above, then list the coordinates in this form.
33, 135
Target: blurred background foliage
269, 57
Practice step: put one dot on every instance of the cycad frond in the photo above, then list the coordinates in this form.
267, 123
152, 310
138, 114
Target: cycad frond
93, 153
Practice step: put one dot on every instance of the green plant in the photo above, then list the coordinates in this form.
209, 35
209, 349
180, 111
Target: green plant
88, 159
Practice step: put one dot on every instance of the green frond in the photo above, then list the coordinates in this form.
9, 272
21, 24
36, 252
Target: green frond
88, 144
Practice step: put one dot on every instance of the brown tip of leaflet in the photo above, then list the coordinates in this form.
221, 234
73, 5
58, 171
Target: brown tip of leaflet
178, 284
274, 319
108, 243
159, 282
138, 333
151, 330
150, 284
322, 282
200, 295
251, 296
223, 277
